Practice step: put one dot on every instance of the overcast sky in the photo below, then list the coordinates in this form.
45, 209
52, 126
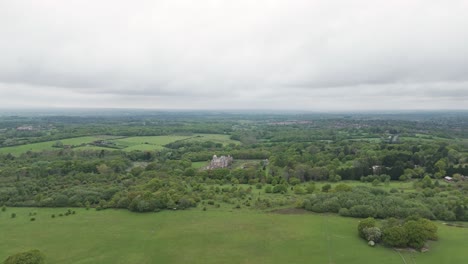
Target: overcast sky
243, 54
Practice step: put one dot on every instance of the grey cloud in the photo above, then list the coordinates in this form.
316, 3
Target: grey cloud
262, 54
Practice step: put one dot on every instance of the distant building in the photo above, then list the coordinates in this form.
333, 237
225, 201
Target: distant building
376, 169
447, 178
24, 128
221, 162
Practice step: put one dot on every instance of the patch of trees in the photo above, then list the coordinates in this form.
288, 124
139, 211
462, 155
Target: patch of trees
364, 202
413, 232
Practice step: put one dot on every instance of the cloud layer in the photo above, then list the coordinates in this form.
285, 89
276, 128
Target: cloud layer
306, 55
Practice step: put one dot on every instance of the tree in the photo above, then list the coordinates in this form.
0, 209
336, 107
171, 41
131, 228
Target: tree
426, 182
416, 233
372, 234
29, 257
395, 236
366, 223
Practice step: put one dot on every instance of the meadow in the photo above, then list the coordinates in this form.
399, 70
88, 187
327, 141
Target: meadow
222, 235
143, 143
48, 145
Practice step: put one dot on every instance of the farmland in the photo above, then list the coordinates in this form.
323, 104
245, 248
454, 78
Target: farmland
214, 236
144, 143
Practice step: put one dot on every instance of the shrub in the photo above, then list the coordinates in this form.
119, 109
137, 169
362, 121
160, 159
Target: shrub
13, 215
299, 190
343, 188
343, 212
310, 188
3, 208
326, 188
29, 257
32, 219
280, 188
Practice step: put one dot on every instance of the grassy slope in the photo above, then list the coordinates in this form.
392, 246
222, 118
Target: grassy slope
194, 236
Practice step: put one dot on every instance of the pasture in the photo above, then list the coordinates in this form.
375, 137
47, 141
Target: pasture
48, 145
213, 236
144, 143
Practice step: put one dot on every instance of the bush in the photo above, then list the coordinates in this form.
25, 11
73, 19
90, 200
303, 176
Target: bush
310, 188
13, 215
280, 188
326, 188
32, 219
366, 223
343, 188
29, 257
299, 190
343, 212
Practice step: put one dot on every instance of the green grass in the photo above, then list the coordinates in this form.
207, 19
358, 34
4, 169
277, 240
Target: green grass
216, 138
239, 163
199, 164
214, 236
17, 150
149, 143
151, 140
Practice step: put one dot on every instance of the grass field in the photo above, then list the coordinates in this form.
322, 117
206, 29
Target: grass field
149, 143
17, 150
213, 236
199, 164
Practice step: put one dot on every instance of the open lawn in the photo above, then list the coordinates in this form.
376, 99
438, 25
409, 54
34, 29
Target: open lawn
213, 236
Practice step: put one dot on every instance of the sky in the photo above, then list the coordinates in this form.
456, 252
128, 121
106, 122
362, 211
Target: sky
313, 55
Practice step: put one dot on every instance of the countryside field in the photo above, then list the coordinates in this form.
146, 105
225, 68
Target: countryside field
146, 143
213, 236
48, 145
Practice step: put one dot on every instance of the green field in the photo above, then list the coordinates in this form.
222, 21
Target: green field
148, 143
48, 145
199, 164
213, 236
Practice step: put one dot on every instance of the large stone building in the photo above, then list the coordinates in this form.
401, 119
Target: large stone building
221, 162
